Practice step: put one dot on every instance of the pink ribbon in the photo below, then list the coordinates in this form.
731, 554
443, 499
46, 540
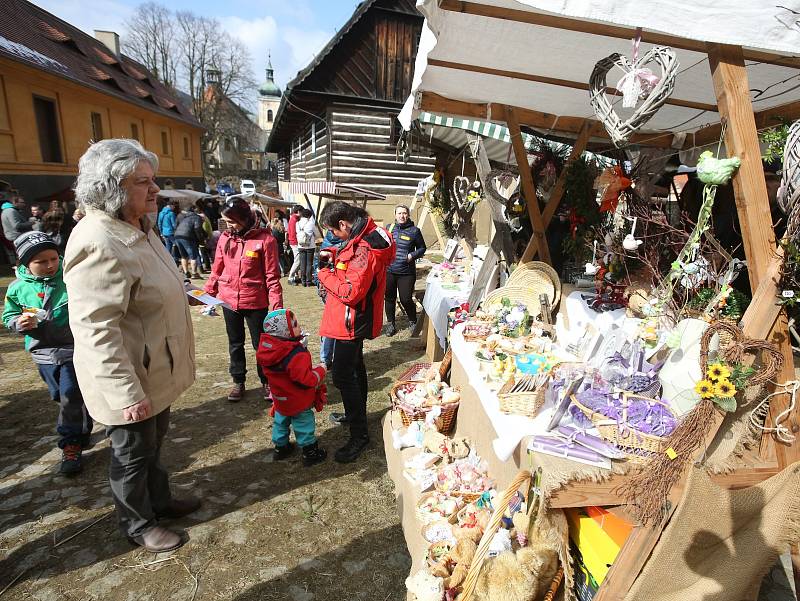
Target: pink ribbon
637, 83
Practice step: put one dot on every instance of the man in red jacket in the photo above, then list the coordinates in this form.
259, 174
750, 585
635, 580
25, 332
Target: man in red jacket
245, 275
354, 282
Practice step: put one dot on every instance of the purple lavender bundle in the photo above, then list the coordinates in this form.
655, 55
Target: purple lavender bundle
594, 443
640, 414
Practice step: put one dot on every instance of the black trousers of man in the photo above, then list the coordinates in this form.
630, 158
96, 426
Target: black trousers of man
402, 285
234, 326
350, 377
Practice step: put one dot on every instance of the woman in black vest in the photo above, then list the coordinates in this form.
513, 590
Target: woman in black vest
402, 274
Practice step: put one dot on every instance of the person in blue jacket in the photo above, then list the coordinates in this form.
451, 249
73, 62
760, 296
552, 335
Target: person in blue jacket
167, 222
402, 273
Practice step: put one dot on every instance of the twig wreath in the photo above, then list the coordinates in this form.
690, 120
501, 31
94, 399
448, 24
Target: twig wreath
619, 130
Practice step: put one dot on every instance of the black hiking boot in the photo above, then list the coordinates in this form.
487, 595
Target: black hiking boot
283, 452
70, 460
312, 455
351, 451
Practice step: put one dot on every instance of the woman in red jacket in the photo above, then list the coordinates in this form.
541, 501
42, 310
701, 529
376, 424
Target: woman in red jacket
354, 281
245, 275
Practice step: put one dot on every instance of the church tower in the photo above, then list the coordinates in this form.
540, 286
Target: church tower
269, 99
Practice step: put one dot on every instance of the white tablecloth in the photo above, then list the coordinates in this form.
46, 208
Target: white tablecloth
439, 300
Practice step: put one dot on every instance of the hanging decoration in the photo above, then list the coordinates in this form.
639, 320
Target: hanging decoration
592, 268
724, 380
789, 191
614, 183
630, 242
639, 82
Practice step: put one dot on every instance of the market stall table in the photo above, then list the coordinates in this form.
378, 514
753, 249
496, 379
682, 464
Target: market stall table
439, 298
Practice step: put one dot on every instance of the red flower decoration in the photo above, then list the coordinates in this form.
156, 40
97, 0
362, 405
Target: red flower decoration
40, 294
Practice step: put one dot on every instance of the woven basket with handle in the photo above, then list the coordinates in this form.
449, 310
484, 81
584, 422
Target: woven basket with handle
624, 437
443, 423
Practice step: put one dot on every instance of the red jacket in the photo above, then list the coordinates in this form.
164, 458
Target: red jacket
355, 283
291, 229
295, 384
245, 273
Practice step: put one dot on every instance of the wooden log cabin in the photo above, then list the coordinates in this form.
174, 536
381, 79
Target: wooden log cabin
337, 119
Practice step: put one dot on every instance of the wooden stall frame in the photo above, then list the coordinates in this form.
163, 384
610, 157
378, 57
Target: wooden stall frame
762, 319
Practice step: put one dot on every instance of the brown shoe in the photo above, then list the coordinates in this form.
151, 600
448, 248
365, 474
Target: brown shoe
158, 540
178, 508
236, 393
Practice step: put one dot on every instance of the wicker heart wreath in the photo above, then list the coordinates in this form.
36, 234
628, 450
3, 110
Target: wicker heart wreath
789, 192
618, 129
648, 490
498, 179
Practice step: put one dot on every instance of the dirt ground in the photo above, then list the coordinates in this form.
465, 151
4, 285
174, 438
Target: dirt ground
266, 530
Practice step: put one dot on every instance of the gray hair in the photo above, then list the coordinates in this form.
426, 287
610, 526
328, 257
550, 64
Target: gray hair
101, 170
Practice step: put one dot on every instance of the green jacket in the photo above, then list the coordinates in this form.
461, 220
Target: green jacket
51, 341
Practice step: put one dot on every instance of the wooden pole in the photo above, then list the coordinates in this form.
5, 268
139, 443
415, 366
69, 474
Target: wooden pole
528, 187
752, 204
558, 190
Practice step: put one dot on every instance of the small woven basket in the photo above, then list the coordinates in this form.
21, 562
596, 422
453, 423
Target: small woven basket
445, 523
523, 275
625, 438
426, 517
521, 403
443, 423
441, 547
418, 371
528, 296
466, 496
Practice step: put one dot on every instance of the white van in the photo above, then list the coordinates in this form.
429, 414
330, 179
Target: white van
248, 187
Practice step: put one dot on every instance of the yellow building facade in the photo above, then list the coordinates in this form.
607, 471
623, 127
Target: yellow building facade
47, 123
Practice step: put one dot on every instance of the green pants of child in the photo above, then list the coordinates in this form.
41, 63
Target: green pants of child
302, 424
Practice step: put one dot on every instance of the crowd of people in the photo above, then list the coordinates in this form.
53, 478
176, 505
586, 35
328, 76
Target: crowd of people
105, 316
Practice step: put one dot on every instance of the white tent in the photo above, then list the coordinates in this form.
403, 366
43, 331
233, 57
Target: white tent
507, 52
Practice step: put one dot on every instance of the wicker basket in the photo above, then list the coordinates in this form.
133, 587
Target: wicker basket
443, 523
428, 518
527, 295
418, 371
466, 496
625, 438
443, 423
521, 403
523, 275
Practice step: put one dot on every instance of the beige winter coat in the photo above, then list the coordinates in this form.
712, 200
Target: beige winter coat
130, 318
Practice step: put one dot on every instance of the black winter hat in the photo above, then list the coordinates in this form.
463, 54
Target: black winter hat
30, 244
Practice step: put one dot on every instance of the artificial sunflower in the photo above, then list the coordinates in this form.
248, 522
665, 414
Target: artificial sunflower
705, 389
718, 372
724, 389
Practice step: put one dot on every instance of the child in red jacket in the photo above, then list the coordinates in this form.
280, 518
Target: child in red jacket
297, 387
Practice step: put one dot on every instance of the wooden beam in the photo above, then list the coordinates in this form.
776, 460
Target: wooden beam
558, 189
755, 220
767, 118
528, 187
554, 81
741, 139
604, 29
564, 124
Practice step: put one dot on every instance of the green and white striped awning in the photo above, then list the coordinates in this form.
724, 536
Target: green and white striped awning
483, 128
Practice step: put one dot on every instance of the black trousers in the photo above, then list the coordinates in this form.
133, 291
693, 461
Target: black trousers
139, 483
234, 326
307, 265
350, 377
402, 285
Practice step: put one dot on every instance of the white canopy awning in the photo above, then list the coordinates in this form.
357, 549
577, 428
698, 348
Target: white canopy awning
516, 53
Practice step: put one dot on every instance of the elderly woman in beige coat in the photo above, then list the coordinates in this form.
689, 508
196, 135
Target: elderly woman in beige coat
134, 345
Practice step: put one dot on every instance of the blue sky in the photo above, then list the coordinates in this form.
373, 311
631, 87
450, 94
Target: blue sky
294, 30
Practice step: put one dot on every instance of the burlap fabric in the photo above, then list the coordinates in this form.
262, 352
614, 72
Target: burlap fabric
720, 543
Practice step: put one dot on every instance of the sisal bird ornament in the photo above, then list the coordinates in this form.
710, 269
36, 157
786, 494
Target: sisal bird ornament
715, 171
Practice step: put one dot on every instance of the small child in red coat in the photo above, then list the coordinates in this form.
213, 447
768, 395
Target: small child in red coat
297, 387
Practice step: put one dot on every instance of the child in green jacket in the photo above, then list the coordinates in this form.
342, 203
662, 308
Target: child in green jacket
36, 306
